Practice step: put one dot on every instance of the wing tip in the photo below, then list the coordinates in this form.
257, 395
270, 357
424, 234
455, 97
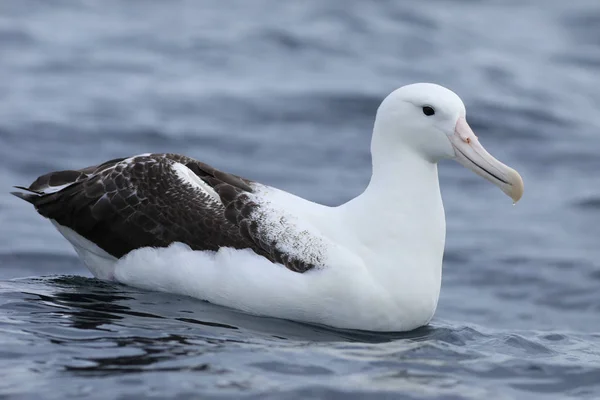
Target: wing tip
28, 197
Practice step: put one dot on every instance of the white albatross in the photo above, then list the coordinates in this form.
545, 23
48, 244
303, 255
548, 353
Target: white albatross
171, 223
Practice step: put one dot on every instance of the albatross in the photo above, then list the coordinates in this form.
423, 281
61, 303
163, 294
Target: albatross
171, 223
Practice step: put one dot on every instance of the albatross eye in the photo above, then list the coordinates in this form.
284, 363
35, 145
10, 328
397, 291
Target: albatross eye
428, 110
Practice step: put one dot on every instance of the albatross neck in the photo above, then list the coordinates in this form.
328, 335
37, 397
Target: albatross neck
401, 210
402, 181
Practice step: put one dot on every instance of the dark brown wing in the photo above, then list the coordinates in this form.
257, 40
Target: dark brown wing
125, 204
142, 201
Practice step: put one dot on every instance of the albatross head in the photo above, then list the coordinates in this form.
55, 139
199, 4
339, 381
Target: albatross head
429, 120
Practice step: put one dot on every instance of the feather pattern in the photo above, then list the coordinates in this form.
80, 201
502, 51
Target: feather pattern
153, 200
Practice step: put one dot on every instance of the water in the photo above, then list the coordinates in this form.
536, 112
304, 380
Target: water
285, 93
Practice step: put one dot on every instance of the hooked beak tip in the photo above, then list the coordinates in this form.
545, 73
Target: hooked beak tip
516, 187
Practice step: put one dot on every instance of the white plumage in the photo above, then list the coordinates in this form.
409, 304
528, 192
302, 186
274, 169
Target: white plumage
377, 258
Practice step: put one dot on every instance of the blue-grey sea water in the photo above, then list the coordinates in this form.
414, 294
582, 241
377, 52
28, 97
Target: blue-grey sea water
284, 92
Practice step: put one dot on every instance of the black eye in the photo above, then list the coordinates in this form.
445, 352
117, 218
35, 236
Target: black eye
428, 110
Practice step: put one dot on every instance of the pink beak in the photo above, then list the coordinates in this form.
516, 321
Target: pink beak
471, 154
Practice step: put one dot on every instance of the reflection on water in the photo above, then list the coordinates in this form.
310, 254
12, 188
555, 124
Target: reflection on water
110, 331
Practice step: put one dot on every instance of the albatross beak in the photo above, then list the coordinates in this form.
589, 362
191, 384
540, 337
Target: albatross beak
471, 154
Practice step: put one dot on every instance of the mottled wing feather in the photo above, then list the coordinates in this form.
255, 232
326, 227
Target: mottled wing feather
128, 203
273, 230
